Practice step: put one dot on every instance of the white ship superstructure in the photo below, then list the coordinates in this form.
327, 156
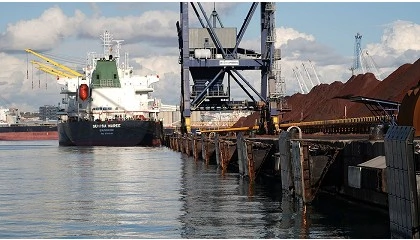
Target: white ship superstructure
107, 104
8, 116
126, 96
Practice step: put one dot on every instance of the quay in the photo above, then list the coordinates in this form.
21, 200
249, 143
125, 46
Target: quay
377, 169
322, 140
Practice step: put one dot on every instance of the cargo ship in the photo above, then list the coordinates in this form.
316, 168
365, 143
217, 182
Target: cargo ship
12, 129
26, 132
108, 105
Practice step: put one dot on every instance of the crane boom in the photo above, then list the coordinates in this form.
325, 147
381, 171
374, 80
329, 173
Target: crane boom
75, 73
300, 84
302, 79
52, 70
47, 70
374, 65
307, 74
316, 75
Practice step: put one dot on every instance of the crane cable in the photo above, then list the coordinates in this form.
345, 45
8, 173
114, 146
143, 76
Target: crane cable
32, 75
27, 69
39, 74
65, 58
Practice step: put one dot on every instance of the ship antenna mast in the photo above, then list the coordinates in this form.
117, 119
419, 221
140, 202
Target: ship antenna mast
107, 39
117, 51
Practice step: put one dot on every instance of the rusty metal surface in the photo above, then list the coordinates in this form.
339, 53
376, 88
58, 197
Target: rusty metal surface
242, 156
209, 149
196, 148
284, 163
250, 158
410, 109
307, 194
331, 159
188, 146
227, 149
295, 154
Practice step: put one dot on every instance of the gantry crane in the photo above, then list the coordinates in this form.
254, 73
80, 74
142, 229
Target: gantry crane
209, 53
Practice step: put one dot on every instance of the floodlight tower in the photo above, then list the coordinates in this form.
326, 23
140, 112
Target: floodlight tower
357, 62
363, 62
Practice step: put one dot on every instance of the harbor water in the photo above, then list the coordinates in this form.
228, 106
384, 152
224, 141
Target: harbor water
48, 191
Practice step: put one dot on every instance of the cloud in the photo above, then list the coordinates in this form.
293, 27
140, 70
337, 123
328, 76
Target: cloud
400, 44
17, 85
22, 87
167, 67
155, 27
401, 36
42, 33
151, 26
302, 55
151, 40
284, 35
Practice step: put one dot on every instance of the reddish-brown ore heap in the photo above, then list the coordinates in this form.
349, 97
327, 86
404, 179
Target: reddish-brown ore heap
325, 101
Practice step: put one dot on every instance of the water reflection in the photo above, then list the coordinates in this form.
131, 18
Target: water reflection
218, 205
106, 192
226, 206
123, 189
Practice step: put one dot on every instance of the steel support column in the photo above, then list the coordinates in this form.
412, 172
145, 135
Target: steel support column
266, 47
185, 71
208, 72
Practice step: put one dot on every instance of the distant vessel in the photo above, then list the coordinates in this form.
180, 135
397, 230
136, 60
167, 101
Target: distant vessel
12, 129
109, 105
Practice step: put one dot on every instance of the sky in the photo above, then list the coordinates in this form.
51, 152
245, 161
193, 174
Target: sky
320, 33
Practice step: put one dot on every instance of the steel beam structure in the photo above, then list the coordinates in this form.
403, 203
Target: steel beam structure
208, 72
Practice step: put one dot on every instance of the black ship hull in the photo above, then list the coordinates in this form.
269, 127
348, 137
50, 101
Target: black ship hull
110, 133
19, 132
